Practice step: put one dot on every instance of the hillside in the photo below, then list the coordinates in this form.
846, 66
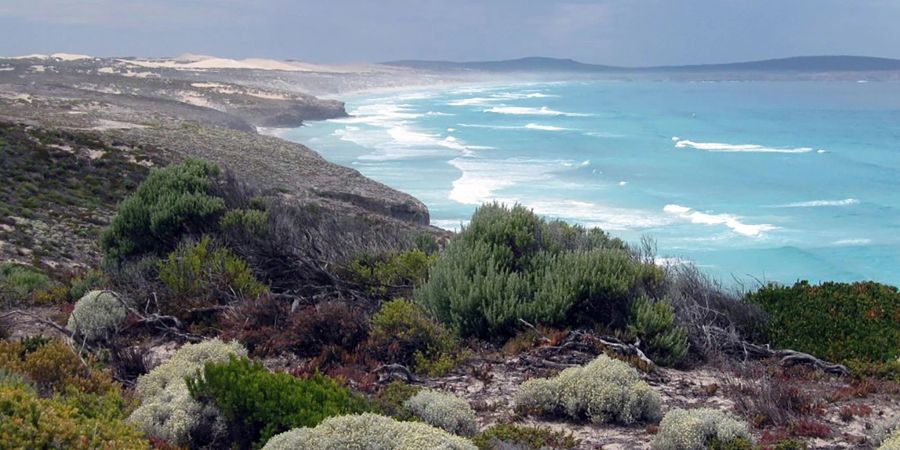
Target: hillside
776, 68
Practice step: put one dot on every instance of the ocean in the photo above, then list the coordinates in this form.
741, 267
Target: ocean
752, 181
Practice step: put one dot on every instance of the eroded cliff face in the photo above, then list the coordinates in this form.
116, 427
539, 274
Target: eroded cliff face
155, 116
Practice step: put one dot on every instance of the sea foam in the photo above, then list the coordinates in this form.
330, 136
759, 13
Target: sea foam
736, 148
731, 221
529, 111
818, 203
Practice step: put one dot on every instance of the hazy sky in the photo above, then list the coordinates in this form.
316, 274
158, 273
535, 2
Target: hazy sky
624, 32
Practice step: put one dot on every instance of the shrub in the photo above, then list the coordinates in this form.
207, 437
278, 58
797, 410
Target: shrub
258, 404
167, 410
654, 323
885, 370
445, 411
250, 221
199, 275
891, 442
28, 421
507, 435
604, 390
701, 303
88, 281
391, 400
368, 431
696, 429
391, 274
18, 283
836, 321
169, 203
766, 397
268, 327
54, 367
98, 315
403, 333
508, 264
328, 324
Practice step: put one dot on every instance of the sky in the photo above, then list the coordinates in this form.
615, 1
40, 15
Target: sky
619, 32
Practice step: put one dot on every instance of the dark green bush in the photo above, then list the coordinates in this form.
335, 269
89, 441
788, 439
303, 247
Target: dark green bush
509, 264
169, 203
654, 323
508, 435
836, 321
403, 333
257, 404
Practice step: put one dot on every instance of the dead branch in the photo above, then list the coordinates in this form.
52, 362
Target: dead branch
737, 347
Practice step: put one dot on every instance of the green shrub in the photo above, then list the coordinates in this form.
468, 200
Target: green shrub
167, 410
508, 435
391, 400
654, 323
28, 421
835, 321
251, 221
170, 202
403, 333
54, 367
604, 390
445, 411
18, 283
199, 274
698, 429
258, 404
98, 315
88, 281
392, 274
368, 431
509, 264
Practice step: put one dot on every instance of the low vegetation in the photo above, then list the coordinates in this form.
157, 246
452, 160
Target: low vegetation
694, 429
167, 410
604, 390
368, 431
836, 321
508, 435
257, 404
59, 189
444, 411
97, 315
49, 398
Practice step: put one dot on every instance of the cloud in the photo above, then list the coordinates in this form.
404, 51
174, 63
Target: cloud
130, 13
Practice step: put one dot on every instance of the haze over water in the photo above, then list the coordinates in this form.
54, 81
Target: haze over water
774, 181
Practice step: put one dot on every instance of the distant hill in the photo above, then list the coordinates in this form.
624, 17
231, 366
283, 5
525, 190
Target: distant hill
541, 64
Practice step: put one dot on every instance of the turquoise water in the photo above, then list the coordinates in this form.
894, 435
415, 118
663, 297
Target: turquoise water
774, 181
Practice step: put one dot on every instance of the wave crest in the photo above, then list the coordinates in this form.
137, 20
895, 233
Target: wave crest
736, 148
731, 221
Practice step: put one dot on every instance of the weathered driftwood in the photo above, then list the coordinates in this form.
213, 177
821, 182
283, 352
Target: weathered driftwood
737, 347
168, 324
390, 372
590, 343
